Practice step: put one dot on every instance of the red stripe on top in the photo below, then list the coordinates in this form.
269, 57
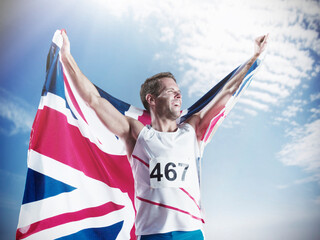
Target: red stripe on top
189, 195
169, 207
212, 125
140, 160
66, 218
145, 118
54, 137
72, 98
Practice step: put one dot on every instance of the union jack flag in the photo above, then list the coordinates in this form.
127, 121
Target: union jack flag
79, 181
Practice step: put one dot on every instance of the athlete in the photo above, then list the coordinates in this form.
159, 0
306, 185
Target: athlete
164, 155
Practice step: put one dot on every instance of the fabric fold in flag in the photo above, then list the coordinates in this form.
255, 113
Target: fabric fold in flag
79, 181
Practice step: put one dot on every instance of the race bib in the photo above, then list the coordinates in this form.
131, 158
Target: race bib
166, 172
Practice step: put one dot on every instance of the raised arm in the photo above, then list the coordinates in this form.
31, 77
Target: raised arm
124, 127
201, 120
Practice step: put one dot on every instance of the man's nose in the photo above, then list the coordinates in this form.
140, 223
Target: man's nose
177, 95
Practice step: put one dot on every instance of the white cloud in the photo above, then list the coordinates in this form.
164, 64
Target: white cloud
313, 178
304, 148
261, 96
256, 105
314, 97
167, 34
315, 113
17, 111
315, 110
291, 111
213, 37
278, 90
250, 111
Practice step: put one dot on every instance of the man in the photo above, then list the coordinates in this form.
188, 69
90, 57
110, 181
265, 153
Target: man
164, 155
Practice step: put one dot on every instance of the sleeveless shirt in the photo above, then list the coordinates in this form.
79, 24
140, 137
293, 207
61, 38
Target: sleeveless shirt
165, 166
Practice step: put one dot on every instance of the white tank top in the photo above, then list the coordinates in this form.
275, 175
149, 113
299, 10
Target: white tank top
167, 188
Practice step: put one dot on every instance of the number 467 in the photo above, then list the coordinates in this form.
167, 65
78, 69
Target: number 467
170, 172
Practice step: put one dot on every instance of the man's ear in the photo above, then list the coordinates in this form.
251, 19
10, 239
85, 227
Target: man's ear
150, 99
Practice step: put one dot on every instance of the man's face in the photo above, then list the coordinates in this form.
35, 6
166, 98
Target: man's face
169, 100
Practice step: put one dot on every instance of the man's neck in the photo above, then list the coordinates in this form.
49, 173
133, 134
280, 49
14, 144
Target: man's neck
164, 125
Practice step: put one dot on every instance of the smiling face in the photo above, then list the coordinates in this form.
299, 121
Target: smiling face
168, 102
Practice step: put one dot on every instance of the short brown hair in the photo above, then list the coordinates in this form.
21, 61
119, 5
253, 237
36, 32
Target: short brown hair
153, 85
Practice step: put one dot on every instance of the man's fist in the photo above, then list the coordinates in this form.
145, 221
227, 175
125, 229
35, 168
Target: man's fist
66, 43
260, 44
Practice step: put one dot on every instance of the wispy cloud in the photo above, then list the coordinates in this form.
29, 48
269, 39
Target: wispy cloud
314, 97
315, 112
313, 178
291, 111
211, 38
16, 111
303, 150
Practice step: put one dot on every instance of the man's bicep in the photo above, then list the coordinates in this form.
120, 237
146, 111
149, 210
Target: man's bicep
123, 126
202, 119
114, 120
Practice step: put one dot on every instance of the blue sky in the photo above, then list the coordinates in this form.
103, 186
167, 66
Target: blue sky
261, 171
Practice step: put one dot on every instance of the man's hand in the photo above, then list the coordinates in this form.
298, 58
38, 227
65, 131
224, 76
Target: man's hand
260, 44
65, 50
